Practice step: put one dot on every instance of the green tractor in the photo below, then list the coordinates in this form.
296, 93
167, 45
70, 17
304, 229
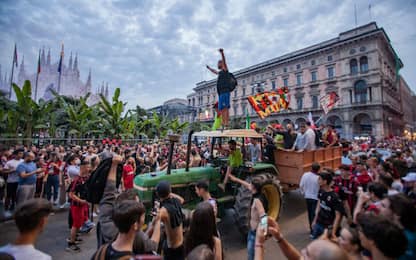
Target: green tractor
235, 196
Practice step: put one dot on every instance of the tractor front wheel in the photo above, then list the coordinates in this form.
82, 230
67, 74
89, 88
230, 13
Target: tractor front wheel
272, 192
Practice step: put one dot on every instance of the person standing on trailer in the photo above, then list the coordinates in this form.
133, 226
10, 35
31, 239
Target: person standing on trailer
223, 88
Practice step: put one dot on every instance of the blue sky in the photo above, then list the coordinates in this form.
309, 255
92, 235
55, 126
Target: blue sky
157, 50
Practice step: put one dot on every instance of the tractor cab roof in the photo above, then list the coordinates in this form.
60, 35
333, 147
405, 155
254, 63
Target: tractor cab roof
230, 133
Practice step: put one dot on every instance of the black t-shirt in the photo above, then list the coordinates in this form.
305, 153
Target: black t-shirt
288, 139
269, 152
223, 85
112, 254
329, 204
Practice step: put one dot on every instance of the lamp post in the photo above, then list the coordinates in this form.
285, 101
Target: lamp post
172, 139
390, 125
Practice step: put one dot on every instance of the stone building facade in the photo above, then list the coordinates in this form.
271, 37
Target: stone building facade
174, 108
360, 65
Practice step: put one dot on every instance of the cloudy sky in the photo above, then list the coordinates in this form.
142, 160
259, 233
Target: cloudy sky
157, 50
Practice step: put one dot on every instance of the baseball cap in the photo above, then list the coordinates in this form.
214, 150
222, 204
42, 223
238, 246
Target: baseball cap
411, 176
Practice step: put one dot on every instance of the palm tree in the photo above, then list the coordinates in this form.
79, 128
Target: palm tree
82, 119
114, 122
178, 127
27, 108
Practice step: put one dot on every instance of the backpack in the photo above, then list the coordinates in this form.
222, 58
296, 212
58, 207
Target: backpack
232, 81
102, 253
96, 183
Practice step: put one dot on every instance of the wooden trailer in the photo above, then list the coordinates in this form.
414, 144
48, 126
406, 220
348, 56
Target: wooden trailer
292, 165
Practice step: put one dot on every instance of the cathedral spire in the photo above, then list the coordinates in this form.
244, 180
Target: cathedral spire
1, 76
102, 89
88, 85
76, 62
76, 70
70, 62
106, 91
48, 58
22, 74
43, 60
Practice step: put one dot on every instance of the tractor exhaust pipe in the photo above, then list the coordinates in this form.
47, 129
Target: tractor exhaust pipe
173, 139
188, 150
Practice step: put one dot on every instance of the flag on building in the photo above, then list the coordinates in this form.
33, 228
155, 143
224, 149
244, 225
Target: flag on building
15, 56
61, 60
329, 101
39, 69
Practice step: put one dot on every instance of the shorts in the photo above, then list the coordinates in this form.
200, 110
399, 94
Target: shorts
223, 101
79, 215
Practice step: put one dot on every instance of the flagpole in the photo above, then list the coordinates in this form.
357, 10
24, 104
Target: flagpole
37, 79
60, 68
36, 87
11, 80
59, 82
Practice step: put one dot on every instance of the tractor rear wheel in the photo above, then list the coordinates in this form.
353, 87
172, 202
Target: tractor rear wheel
271, 190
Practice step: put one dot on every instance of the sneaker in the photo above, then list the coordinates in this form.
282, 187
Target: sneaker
65, 205
85, 230
78, 240
72, 247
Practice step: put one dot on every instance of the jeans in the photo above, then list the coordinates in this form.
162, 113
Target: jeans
25, 192
53, 181
317, 230
311, 206
11, 195
251, 243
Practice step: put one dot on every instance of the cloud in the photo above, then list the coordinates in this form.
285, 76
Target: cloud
157, 50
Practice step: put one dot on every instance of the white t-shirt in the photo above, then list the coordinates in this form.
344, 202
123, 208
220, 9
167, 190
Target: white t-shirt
309, 185
24, 252
73, 171
12, 164
310, 140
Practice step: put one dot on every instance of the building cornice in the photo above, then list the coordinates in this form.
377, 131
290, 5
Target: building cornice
344, 38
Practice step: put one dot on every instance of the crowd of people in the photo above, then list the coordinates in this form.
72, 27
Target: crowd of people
365, 209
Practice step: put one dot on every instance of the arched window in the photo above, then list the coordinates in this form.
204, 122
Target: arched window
360, 91
363, 64
353, 66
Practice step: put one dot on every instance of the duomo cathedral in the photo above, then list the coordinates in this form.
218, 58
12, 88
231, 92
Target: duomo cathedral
70, 85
